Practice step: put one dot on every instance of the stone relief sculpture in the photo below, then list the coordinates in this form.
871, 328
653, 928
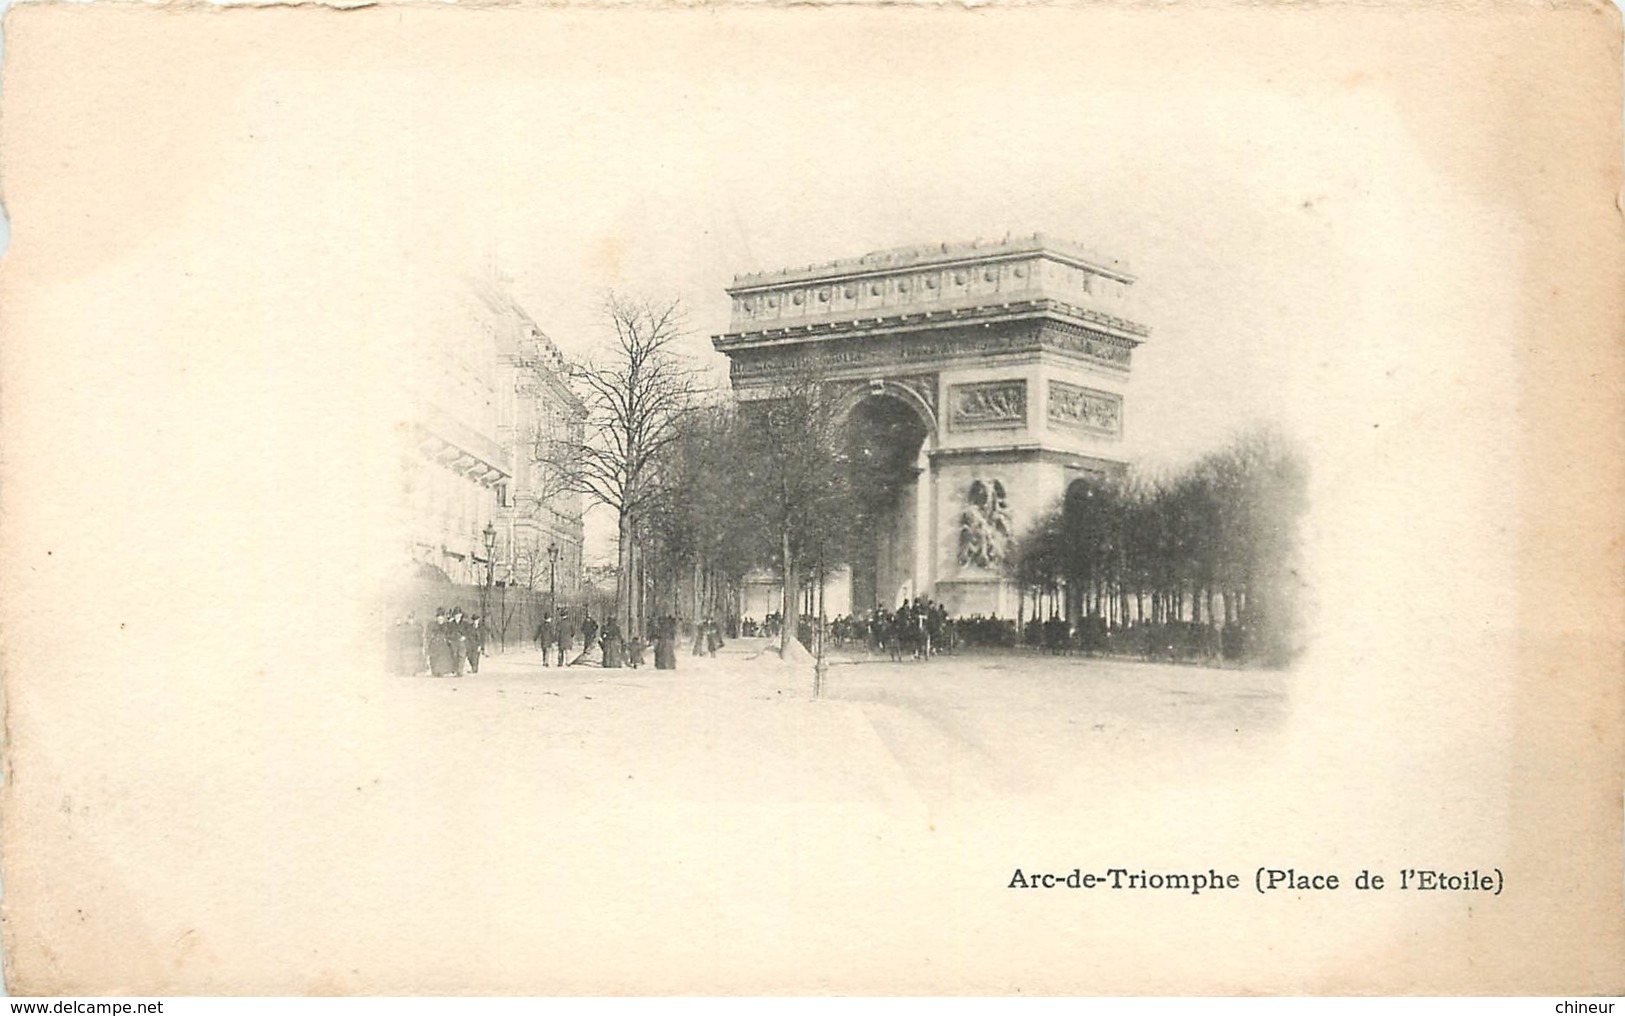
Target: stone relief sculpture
984, 526
1076, 406
990, 404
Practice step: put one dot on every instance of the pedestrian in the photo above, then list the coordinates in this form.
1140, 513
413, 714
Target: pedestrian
457, 632
439, 644
589, 632
611, 644
561, 632
544, 637
474, 642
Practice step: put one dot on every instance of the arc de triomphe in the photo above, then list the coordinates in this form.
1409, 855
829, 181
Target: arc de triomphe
1012, 356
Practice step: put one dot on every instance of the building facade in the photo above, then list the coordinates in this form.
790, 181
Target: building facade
1010, 361
490, 397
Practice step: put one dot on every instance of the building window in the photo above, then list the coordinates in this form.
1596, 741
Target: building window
502, 496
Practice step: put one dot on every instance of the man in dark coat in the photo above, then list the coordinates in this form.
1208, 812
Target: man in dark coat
474, 642
561, 636
544, 637
589, 631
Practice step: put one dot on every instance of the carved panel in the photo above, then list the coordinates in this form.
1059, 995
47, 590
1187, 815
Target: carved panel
1085, 408
988, 405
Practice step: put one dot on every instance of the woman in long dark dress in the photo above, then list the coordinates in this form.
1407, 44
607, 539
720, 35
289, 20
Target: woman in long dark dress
611, 644
440, 645
457, 640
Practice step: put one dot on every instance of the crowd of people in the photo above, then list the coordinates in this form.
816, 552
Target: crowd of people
916, 630
767, 628
555, 637
443, 647
707, 637
922, 628
454, 642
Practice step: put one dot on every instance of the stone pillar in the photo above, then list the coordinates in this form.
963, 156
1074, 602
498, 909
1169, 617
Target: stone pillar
924, 530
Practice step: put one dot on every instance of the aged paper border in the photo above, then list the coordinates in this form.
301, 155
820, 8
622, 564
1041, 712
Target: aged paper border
1564, 931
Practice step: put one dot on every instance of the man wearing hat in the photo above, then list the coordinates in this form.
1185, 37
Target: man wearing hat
561, 632
544, 637
474, 642
457, 632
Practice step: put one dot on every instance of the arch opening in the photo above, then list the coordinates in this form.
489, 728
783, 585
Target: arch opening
884, 451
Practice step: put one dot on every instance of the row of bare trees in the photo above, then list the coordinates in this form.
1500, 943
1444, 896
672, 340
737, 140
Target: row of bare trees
1216, 543
758, 482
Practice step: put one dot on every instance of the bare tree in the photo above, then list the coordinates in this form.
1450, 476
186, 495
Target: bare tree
706, 534
795, 478
636, 393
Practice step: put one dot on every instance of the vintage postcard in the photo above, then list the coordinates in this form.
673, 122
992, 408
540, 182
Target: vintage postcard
1080, 498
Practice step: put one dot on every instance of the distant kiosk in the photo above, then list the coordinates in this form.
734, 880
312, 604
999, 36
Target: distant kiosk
992, 374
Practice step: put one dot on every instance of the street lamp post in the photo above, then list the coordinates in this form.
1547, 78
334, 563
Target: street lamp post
490, 535
552, 578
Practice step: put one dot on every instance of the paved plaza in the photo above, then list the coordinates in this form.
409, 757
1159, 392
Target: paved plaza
744, 726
